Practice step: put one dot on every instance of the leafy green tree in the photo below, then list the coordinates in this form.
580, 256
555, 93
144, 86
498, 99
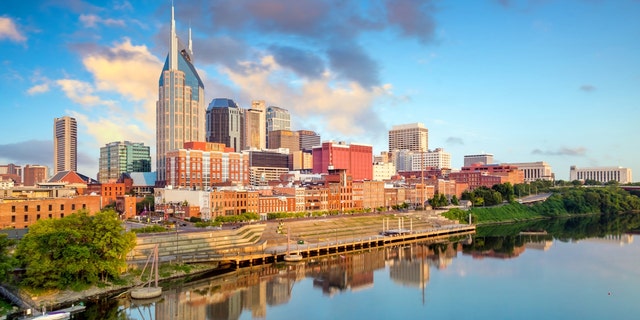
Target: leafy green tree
505, 189
7, 261
439, 201
454, 200
77, 250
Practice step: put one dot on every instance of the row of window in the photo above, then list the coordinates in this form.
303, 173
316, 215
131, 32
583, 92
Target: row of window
26, 217
26, 207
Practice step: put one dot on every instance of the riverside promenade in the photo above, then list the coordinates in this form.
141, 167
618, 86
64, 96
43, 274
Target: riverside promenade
266, 242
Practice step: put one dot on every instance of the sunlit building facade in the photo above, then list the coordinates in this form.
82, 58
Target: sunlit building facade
601, 174
255, 121
180, 107
65, 144
413, 137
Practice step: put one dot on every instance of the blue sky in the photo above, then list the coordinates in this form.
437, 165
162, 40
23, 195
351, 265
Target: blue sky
531, 80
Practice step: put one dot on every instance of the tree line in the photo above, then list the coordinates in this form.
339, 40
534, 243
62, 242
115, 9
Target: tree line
562, 201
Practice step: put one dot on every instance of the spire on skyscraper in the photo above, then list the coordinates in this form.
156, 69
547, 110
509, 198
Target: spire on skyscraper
190, 45
173, 44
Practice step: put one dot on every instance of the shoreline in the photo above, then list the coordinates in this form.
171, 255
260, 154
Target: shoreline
56, 299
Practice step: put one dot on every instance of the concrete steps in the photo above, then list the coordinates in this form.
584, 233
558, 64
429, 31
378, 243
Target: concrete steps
171, 244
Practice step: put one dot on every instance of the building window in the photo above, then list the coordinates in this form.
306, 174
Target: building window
13, 208
84, 206
73, 206
38, 217
62, 207
26, 218
50, 207
13, 218
38, 208
26, 208
61, 215
50, 216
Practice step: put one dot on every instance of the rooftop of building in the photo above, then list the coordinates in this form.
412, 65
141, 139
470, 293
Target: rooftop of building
222, 103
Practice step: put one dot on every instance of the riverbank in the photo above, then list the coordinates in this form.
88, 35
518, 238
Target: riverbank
309, 231
56, 299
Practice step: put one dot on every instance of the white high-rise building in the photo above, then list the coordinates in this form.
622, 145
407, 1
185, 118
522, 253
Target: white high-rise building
180, 110
413, 137
437, 158
65, 144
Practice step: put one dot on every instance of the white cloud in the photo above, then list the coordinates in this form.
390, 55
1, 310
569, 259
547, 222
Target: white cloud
82, 93
344, 107
92, 21
127, 73
37, 89
8, 30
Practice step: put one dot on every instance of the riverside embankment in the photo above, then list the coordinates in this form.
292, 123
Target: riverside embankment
222, 246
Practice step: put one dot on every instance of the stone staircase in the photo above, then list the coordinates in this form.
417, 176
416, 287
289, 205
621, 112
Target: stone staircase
198, 243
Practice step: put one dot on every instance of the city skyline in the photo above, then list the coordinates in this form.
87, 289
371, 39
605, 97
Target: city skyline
522, 80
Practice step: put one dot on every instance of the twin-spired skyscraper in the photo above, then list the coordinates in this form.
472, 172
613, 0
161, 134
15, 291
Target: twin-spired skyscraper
180, 108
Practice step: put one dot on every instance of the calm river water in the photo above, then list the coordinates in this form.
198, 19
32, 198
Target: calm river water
581, 268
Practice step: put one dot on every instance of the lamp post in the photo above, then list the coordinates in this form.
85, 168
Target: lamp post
176, 241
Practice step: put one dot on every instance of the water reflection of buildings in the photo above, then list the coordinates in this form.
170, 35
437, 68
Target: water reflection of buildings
254, 290
543, 245
620, 239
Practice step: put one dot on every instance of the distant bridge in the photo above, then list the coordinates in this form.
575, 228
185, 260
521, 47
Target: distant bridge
534, 198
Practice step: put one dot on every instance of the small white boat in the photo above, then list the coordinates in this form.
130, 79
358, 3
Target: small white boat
150, 291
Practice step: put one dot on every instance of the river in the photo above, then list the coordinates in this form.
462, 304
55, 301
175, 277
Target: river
579, 268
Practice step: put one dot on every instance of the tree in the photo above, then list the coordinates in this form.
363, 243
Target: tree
7, 261
76, 250
439, 201
505, 189
454, 200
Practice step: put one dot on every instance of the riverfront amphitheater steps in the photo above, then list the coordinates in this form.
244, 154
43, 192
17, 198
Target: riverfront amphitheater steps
207, 241
260, 236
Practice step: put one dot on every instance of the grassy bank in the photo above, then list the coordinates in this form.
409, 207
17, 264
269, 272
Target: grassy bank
499, 214
563, 202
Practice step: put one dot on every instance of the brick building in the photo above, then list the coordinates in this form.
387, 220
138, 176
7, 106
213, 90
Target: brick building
201, 165
21, 213
356, 159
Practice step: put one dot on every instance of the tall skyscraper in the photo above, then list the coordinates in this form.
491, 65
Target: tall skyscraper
180, 107
277, 119
413, 137
120, 157
65, 144
255, 126
225, 121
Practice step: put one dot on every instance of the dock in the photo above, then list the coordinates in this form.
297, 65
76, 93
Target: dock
274, 254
